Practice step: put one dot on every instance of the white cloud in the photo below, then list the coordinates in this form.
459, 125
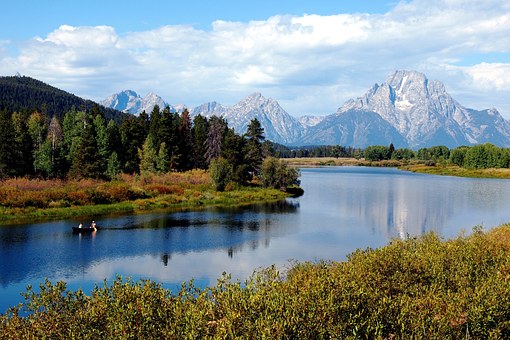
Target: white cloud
311, 63
495, 76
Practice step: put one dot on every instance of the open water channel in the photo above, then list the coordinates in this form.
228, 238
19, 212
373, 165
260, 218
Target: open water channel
343, 208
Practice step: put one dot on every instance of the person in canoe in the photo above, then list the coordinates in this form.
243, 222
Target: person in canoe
85, 229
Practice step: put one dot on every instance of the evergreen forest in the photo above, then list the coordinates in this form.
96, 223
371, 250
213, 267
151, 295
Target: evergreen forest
87, 145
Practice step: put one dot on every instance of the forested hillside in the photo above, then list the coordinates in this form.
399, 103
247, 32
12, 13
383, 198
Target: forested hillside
20, 93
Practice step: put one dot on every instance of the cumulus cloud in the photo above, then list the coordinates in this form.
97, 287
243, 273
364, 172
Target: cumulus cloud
310, 63
493, 76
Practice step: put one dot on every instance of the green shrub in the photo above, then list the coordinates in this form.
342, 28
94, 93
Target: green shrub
277, 174
221, 173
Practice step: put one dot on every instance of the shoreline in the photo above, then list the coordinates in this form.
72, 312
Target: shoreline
206, 199
413, 166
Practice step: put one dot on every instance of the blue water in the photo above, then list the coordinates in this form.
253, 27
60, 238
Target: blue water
343, 208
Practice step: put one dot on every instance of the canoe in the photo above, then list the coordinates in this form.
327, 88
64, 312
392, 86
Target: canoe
84, 230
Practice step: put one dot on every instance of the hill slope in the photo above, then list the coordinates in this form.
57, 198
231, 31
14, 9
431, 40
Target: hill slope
24, 93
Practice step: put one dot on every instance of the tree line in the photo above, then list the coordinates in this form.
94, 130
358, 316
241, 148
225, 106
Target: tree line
481, 156
336, 151
86, 145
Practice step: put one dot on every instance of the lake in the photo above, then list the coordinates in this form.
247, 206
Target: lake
343, 208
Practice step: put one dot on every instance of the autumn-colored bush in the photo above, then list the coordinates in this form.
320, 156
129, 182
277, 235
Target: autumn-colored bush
164, 189
79, 198
25, 193
421, 288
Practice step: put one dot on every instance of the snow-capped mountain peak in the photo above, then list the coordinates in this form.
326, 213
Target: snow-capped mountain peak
131, 102
126, 101
278, 125
407, 110
422, 111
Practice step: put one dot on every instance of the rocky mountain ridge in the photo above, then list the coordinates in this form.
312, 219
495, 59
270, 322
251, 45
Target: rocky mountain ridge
425, 114
129, 101
407, 110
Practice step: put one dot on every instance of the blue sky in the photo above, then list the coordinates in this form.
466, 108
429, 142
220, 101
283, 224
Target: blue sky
135, 15
311, 56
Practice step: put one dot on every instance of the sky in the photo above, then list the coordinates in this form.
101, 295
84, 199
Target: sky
309, 55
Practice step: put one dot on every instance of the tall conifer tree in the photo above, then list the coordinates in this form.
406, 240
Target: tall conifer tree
7, 152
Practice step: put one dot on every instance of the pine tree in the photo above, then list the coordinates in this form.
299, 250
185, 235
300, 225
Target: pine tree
133, 134
7, 152
148, 156
199, 132
185, 142
114, 141
23, 145
102, 140
215, 134
254, 154
86, 162
233, 151
72, 128
162, 160
155, 127
114, 167
169, 135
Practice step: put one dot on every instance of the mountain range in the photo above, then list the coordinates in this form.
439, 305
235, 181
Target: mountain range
131, 102
407, 110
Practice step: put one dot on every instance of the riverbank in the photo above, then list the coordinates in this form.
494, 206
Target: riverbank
453, 170
413, 166
23, 200
423, 287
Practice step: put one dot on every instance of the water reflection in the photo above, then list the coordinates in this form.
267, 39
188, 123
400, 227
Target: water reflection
399, 204
50, 249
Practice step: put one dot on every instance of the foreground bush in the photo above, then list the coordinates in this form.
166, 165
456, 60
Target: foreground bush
419, 288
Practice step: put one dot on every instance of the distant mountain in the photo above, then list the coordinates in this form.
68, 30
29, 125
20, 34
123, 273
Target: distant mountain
426, 115
353, 128
209, 109
279, 126
20, 93
407, 110
129, 101
309, 121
